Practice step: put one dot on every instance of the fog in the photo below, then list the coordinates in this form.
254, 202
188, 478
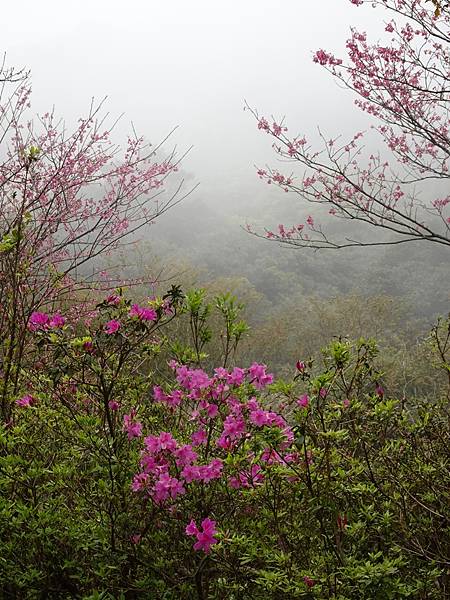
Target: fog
191, 65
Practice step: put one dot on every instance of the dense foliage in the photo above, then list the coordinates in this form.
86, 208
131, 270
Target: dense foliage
129, 471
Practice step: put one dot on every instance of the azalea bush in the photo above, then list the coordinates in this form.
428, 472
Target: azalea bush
128, 470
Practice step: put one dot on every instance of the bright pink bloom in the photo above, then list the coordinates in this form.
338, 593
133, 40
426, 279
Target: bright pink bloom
27, 400
212, 411
303, 401
185, 455
259, 377
38, 321
205, 538
211, 471
158, 394
167, 487
113, 299
300, 366
112, 326
247, 479
237, 376
174, 399
113, 405
191, 528
199, 437
259, 417
132, 428
167, 442
194, 380
191, 473
139, 482
148, 314
143, 313
233, 427
57, 321
221, 373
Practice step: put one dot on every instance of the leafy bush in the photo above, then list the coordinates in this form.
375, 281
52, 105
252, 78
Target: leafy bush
128, 471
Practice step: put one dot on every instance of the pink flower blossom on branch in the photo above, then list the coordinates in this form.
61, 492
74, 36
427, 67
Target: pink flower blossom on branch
112, 326
205, 535
403, 84
25, 401
131, 427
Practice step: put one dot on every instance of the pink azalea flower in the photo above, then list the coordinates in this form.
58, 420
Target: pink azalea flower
199, 437
113, 299
167, 487
212, 411
303, 401
233, 427
112, 326
27, 400
259, 417
205, 538
237, 376
139, 482
113, 405
174, 399
259, 377
211, 471
158, 394
191, 528
38, 321
191, 473
185, 455
143, 313
167, 442
57, 321
131, 427
148, 314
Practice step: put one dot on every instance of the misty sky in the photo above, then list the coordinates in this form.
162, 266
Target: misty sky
190, 64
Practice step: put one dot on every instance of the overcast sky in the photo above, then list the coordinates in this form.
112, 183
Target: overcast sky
190, 63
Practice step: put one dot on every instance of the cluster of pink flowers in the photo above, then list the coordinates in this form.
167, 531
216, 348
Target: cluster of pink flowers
40, 321
112, 326
25, 401
143, 313
303, 401
131, 427
167, 466
219, 422
324, 59
205, 536
113, 300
